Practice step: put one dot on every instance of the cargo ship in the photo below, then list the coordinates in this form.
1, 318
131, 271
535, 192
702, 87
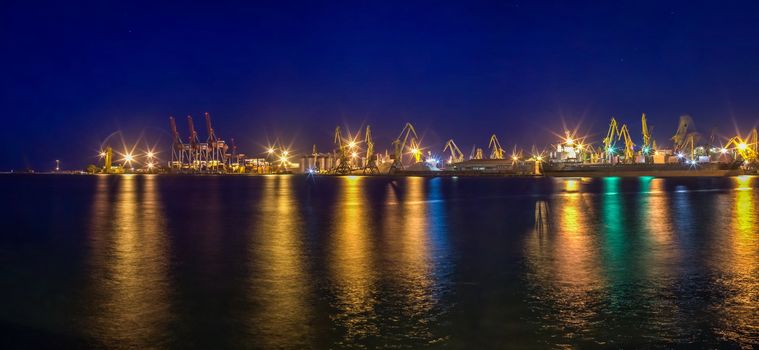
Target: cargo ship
659, 170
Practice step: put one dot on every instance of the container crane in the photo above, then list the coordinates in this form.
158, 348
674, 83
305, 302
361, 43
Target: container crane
196, 156
216, 148
399, 145
456, 155
178, 148
496, 151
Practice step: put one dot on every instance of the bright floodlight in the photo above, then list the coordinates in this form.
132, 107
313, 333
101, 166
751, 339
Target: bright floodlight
570, 141
354, 155
723, 150
285, 153
128, 158
150, 165
150, 154
352, 144
270, 150
742, 146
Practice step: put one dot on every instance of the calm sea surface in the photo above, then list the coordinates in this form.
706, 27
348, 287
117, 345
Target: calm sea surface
297, 262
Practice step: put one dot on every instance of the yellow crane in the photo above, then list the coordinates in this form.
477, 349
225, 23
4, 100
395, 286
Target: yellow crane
477, 153
647, 145
496, 151
624, 133
343, 162
399, 145
745, 148
612, 135
456, 155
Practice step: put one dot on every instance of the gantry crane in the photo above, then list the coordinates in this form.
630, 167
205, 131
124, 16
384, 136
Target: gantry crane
456, 155
197, 157
496, 151
371, 158
399, 145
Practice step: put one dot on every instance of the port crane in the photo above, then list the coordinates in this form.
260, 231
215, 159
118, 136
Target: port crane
216, 148
400, 144
647, 146
456, 155
197, 156
496, 151
371, 159
343, 162
684, 137
612, 135
624, 134
745, 148
178, 149
416, 150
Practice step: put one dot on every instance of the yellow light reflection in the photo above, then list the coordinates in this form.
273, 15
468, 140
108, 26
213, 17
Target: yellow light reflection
351, 263
129, 261
564, 264
279, 275
737, 264
409, 264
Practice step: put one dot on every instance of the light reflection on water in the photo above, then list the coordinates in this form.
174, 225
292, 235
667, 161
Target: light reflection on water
621, 275
279, 288
129, 287
352, 265
284, 262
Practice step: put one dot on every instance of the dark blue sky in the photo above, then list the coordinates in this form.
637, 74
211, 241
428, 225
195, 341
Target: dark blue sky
74, 73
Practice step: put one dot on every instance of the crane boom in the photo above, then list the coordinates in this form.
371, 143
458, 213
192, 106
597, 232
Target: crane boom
193, 134
496, 149
456, 154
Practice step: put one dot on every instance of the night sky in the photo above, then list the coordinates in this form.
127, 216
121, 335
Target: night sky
74, 73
